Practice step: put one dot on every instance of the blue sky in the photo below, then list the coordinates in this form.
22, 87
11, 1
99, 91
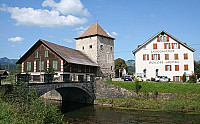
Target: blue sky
131, 22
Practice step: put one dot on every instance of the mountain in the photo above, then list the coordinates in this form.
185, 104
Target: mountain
131, 66
8, 64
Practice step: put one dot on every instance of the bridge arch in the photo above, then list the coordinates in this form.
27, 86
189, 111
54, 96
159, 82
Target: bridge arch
70, 92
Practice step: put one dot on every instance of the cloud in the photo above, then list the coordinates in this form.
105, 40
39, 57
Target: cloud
115, 34
68, 40
47, 18
16, 39
81, 30
67, 7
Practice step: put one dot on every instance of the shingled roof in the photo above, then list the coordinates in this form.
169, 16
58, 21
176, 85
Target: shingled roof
67, 54
93, 30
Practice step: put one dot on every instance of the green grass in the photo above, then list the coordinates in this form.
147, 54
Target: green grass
180, 88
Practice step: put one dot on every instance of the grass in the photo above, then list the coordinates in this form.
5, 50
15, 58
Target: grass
164, 87
187, 97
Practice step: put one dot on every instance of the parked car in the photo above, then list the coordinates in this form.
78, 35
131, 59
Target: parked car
128, 78
161, 79
138, 78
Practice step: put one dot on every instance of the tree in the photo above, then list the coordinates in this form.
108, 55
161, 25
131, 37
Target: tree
119, 64
184, 78
197, 68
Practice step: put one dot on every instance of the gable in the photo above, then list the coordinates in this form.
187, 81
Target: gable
156, 36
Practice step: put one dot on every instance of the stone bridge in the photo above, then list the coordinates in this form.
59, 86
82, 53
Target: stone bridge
82, 92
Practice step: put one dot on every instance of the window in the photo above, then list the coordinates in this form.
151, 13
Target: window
46, 53
176, 67
101, 47
175, 56
55, 65
176, 78
90, 46
83, 48
176, 46
155, 46
111, 49
185, 67
145, 56
36, 54
28, 66
168, 67
41, 65
111, 67
166, 45
166, 56
156, 72
155, 56
185, 56
163, 38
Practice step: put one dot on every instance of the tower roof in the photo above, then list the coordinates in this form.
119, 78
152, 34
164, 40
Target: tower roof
93, 30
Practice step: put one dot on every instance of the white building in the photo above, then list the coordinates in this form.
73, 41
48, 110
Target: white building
164, 55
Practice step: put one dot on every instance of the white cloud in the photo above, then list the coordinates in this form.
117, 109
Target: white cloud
68, 40
16, 39
47, 18
81, 30
67, 7
115, 34
12, 45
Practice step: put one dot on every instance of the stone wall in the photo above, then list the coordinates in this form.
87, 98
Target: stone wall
105, 90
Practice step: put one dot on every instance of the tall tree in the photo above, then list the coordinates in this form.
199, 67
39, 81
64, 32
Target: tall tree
119, 64
197, 68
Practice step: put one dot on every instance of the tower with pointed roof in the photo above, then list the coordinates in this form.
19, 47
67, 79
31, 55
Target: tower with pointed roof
99, 47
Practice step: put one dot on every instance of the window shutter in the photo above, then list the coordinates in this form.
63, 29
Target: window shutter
165, 45
173, 78
169, 45
167, 38
165, 67
180, 78
154, 46
179, 46
170, 68
147, 56
152, 56
158, 56
143, 56
172, 46
158, 39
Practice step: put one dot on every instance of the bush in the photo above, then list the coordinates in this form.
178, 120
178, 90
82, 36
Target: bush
152, 79
184, 78
147, 79
137, 87
192, 79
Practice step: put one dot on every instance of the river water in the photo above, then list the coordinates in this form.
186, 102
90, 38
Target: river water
93, 114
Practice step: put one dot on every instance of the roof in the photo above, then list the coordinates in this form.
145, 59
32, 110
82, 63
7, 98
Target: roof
3, 72
184, 44
94, 30
67, 54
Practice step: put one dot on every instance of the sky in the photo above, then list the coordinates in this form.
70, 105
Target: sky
130, 22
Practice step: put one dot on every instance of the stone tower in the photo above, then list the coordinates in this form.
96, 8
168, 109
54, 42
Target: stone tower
99, 47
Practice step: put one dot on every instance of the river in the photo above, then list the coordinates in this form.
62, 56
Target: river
90, 114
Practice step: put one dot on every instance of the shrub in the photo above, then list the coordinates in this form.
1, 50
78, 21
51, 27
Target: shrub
152, 79
147, 79
137, 86
192, 79
184, 78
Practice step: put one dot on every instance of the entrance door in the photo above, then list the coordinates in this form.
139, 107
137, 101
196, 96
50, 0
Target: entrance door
156, 72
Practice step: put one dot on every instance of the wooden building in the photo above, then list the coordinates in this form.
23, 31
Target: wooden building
69, 64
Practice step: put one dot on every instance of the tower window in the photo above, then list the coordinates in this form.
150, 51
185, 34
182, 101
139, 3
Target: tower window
111, 67
101, 47
90, 46
83, 48
111, 49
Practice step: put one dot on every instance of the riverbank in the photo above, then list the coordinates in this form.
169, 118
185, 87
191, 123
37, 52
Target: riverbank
186, 97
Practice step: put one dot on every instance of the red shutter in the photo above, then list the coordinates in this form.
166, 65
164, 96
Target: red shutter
158, 56
179, 46
158, 39
174, 78
170, 68
165, 67
143, 56
154, 46
169, 45
147, 56
172, 46
165, 45
167, 38
180, 78
152, 56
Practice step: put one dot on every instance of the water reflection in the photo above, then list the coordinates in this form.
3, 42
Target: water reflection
87, 114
